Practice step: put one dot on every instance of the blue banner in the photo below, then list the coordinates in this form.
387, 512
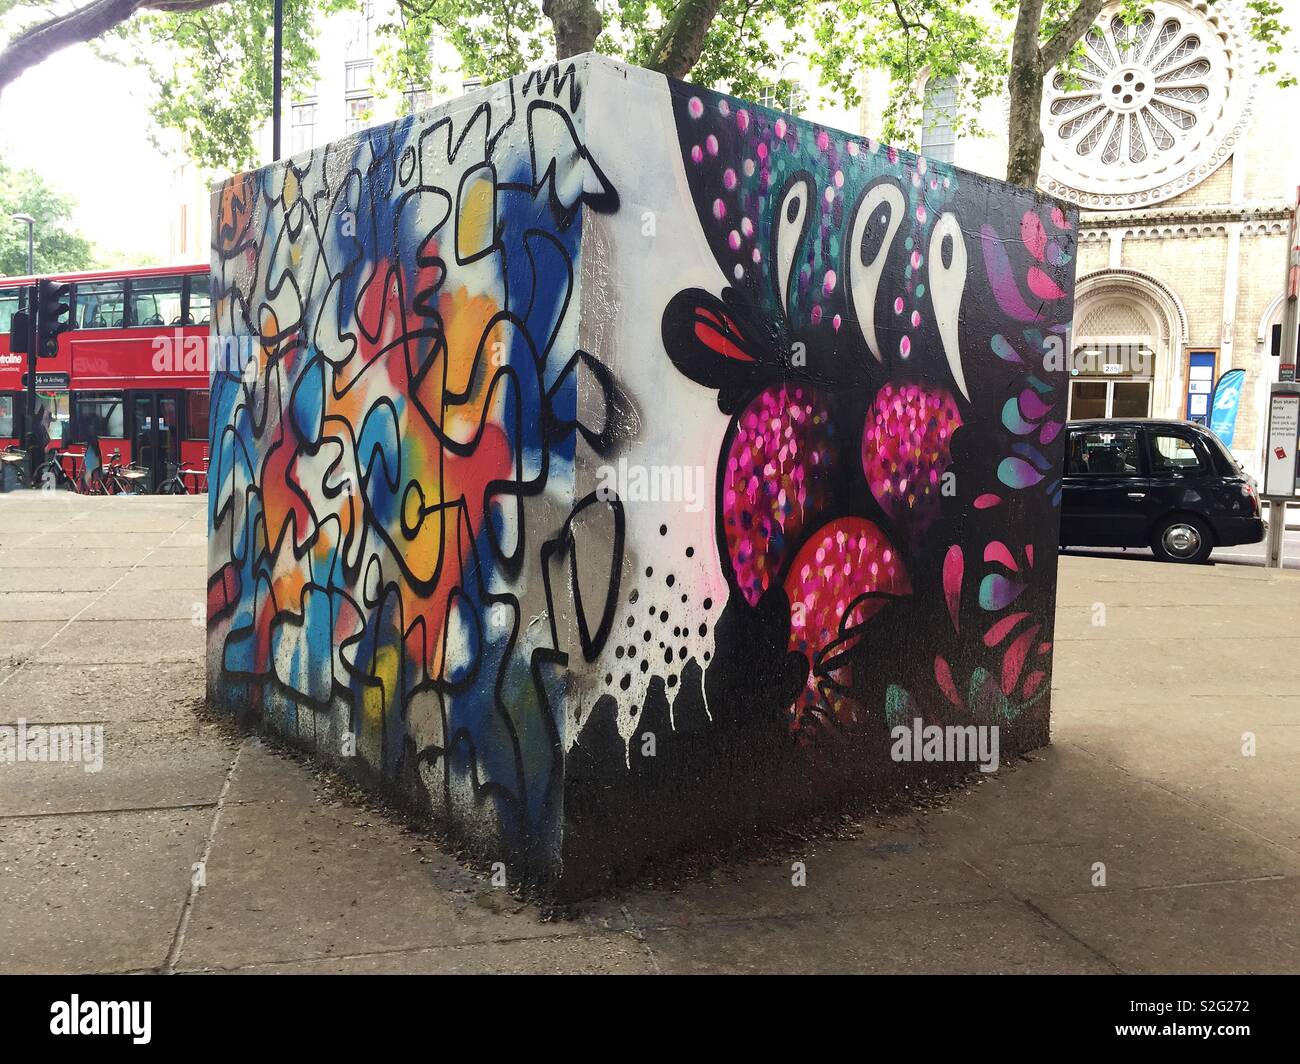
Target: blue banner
1223, 410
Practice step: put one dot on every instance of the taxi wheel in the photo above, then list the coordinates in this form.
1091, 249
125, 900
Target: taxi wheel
1182, 538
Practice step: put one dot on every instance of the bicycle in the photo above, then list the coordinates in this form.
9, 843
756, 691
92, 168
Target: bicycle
114, 478
51, 475
13, 462
173, 484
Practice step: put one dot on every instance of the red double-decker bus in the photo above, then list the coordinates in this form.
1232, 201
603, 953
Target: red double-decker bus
131, 372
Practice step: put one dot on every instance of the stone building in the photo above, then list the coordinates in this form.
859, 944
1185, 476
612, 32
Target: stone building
1185, 162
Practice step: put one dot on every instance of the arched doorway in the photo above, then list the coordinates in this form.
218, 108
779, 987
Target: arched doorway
1129, 334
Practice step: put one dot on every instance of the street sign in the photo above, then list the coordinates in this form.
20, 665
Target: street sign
1283, 430
49, 382
1286, 371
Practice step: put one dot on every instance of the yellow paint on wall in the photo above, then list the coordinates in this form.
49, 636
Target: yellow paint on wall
474, 227
372, 703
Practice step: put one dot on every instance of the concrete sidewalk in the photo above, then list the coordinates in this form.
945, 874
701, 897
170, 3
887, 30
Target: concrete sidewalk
101, 621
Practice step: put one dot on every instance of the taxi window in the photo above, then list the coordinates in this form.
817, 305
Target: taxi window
1101, 452
1174, 454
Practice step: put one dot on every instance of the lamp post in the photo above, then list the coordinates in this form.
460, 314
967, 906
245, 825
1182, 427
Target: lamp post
277, 76
33, 459
30, 222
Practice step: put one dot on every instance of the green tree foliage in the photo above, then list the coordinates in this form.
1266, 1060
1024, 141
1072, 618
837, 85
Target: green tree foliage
214, 87
57, 246
211, 69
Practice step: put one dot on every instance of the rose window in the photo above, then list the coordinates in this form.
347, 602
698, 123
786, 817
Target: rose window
1151, 108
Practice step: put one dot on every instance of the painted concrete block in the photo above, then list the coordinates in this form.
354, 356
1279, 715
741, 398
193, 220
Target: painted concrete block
607, 466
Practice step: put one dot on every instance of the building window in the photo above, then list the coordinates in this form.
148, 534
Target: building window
359, 108
418, 100
302, 127
356, 76
767, 96
796, 99
360, 100
938, 118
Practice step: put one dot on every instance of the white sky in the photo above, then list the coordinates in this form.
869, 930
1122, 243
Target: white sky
94, 147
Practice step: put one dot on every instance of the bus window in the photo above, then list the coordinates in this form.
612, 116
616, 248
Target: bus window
196, 414
58, 406
199, 310
156, 300
99, 414
8, 308
7, 419
101, 305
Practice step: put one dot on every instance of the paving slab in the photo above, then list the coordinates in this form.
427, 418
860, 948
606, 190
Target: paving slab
1087, 810
119, 642
171, 555
606, 954
79, 558
44, 605
97, 892
57, 579
1171, 665
1207, 768
266, 775
997, 936
1257, 620
20, 640
189, 577
45, 693
93, 539
135, 603
1238, 928
292, 880
154, 765
890, 867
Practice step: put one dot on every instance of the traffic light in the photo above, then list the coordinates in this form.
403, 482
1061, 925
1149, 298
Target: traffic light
52, 309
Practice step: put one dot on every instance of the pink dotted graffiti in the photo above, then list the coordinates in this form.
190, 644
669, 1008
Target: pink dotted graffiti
840, 579
777, 477
906, 443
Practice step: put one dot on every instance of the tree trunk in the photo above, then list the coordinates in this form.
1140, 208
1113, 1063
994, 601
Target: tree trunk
1030, 64
679, 45
1025, 84
577, 24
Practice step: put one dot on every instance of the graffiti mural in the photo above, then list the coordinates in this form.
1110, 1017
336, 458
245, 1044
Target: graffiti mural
604, 464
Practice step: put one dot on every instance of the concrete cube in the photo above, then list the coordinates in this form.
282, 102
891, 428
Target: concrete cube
608, 467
